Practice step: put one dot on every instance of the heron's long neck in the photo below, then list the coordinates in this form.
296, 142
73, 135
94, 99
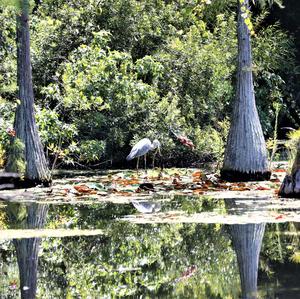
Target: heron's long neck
153, 146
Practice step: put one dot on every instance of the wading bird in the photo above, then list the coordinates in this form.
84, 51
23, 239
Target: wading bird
142, 148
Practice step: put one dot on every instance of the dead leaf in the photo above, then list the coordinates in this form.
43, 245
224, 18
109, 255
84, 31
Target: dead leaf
198, 191
179, 186
279, 170
175, 181
66, 190
222, 186
123, 193
11, 132
126, 182
208, 183
197, 174
177, 176
233, 188
205, 187
241, 184
84, 189
262, 188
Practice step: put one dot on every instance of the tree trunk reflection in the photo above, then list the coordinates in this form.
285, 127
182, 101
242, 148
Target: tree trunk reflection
247, 240
27, 217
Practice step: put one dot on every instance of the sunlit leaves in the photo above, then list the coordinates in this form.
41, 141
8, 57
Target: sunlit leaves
13, 3
295, 258
91, 150
96, 77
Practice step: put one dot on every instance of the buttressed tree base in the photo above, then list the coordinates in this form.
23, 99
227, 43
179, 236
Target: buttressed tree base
238, 176
290, 186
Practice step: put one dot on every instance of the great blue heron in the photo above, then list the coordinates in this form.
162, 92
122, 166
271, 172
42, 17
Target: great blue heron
142, 148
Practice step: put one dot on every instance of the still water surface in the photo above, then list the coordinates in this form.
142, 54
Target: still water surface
148, 249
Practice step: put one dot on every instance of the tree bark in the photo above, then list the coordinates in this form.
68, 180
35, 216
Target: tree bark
31, 154
247, 240
245, 155
290, 186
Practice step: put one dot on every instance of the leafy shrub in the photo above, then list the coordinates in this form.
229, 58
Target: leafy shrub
91, 150
6, 119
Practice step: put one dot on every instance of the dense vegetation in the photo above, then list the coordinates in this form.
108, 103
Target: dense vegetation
107, 73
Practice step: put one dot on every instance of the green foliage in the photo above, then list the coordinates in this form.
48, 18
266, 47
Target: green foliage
292, 146
57, 136
109, 88
5, 126
294, 135
8, 66
51, 128
211, 142
91, 150
279, 247
2, 156
265, 3
272, 144
295, 258
12, 3
199, 72
3, 220
16, 159
113, 72
272, 71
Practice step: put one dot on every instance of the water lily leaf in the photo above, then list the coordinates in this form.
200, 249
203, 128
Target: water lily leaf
96, 186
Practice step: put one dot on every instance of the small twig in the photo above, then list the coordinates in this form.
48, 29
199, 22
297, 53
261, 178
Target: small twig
274, 147
57, 153
101, 163
84, 166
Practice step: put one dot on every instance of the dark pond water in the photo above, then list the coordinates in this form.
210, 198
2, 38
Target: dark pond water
100, 251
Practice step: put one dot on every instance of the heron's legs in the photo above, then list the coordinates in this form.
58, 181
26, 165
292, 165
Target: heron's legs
137, 164
145, 159
153, 159
154, 155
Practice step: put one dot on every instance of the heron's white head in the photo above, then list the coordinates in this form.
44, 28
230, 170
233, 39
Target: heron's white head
156, 143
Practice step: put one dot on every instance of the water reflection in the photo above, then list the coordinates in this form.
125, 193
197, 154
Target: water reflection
30, 216
180, 260
146, 206
247, 241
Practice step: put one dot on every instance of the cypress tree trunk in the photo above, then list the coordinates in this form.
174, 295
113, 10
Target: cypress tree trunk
245, 155
290, 186
247, 240
26, 155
